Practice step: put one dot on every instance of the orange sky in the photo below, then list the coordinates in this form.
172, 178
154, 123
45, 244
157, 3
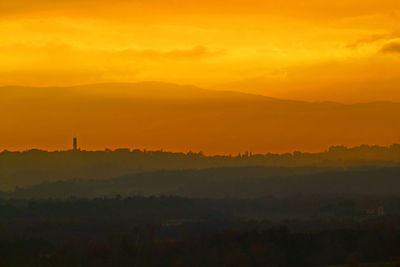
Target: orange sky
345, 51
336, 50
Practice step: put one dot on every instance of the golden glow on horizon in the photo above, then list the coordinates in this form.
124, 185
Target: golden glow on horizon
336, 50
308, 50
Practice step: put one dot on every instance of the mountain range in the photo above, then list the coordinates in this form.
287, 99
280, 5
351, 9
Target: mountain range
157, 115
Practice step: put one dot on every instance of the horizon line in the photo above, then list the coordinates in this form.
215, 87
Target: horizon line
201, 152
197, 87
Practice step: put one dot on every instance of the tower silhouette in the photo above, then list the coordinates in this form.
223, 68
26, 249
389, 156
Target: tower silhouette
75, 144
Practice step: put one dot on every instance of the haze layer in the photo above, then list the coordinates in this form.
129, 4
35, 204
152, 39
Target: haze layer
182, 118
334, 50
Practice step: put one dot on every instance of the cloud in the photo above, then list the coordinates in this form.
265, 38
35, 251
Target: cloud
197, 52
368, 40
391, 48
62, 64
311, 9
353, 80
67, 52
374, 39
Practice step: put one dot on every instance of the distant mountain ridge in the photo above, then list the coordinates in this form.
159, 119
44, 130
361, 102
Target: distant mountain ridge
164, 87
181, 118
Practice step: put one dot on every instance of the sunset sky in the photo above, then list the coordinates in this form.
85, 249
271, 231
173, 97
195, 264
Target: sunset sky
345, 51
334, 50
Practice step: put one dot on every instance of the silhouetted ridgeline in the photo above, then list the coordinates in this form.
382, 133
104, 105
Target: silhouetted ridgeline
243, 182
36, 166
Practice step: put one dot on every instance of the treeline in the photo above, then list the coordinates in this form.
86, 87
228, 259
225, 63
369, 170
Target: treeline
83, 216
272, 247
35, 166
241, 182
173, 231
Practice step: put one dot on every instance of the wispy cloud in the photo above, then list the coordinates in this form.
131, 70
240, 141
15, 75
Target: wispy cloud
59, 50
60, 64
311, 9
368, 40
175, 54
391, 48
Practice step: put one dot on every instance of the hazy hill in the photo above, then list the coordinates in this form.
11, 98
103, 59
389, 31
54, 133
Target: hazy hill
182, 118
27, 168
247, 182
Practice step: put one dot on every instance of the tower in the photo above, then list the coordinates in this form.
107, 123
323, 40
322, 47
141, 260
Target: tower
75, 144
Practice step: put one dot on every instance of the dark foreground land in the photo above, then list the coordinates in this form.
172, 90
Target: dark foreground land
225, 216
297, 230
